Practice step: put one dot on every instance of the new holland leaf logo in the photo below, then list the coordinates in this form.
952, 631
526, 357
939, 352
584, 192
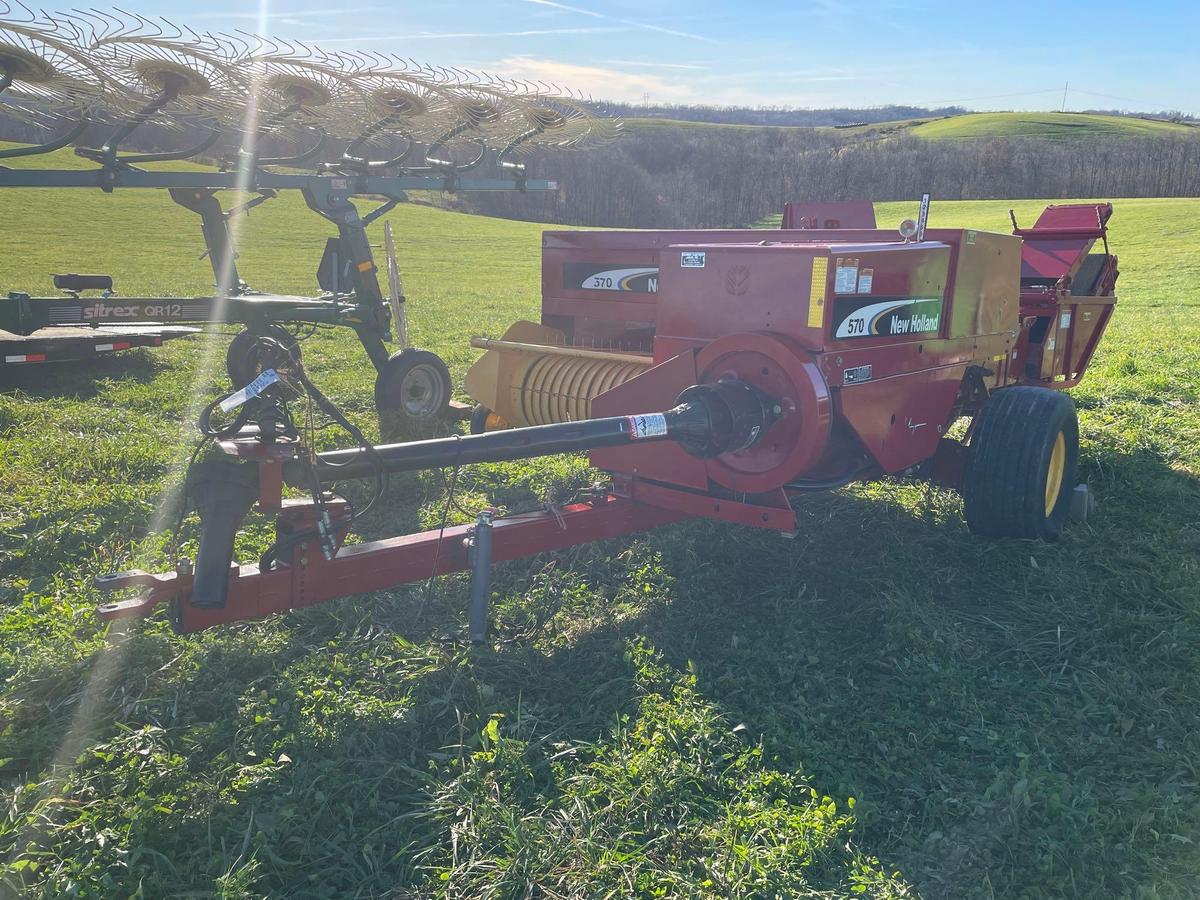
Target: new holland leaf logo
737, 281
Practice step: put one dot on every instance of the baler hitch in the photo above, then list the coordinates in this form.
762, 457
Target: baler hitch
709, 420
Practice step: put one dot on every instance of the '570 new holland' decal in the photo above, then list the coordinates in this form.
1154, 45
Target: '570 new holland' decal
861, 317
590, 277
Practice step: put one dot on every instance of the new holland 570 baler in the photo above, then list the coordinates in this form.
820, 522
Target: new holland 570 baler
710, 373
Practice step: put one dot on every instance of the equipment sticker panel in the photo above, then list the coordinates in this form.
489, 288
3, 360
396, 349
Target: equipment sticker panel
594, 277
863, 317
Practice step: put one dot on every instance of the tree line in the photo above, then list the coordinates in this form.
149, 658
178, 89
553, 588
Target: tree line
712, 178
698, 177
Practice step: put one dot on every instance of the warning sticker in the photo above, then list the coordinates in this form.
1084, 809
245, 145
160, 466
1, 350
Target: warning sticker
649, 426
816, 292
1065, 321
845, 281
692, 259
865, 280
253, 389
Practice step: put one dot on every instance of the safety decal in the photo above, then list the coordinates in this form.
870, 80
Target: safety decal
855, 318
845, 279
865, 280
630, 279
253, 389
649, 426
692, 259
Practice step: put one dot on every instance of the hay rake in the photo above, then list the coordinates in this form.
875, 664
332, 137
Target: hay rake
404, 127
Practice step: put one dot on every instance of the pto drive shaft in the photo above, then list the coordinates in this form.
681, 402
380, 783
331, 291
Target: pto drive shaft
709, 420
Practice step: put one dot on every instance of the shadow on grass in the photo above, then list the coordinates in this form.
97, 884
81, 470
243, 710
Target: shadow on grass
81, 379
1010, 717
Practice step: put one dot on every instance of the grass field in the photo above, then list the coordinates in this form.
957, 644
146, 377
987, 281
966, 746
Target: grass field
884, 706
1040, 125
1047, 126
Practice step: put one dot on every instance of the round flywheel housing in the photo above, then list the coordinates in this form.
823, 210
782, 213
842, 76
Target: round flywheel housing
788, 374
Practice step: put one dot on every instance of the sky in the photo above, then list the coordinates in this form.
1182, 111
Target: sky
805, 53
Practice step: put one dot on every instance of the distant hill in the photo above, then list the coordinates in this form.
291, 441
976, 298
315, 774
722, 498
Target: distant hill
1052, 126
856, 129
778, 117
1048, 126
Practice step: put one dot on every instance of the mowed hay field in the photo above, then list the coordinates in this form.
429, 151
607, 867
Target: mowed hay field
883, 706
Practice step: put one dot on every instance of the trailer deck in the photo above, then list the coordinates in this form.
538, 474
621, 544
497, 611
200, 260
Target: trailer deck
61, 344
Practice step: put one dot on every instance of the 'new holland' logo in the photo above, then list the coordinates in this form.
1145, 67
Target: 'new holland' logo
633, 279
888, 318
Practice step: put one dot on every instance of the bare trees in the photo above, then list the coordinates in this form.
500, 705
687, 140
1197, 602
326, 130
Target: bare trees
716, 177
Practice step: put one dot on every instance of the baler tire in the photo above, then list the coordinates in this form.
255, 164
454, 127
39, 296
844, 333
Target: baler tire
1021, 464
414, 385
242, 361
484, 420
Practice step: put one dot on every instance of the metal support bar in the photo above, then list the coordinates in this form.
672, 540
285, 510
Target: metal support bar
479, 555
331, 199
300, 158
483, 343
262, 198
214, 225
187, 153
50, 146
351, 185
309, 579
381, 210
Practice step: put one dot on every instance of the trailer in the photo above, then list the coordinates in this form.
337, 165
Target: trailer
55, 345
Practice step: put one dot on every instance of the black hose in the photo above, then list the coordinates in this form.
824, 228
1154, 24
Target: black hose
327, 406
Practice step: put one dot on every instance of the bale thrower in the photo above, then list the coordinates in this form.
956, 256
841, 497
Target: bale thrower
718, 374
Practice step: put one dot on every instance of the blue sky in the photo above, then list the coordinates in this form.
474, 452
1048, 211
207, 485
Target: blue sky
1016, 55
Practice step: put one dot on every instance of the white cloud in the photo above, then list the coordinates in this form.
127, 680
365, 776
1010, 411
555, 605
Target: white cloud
443, 35
286, 17
599, 82
655, 65
554, 4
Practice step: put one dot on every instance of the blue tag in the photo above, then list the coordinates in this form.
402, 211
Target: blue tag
253, 389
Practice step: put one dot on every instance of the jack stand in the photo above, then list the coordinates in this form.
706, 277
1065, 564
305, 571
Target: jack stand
479, 556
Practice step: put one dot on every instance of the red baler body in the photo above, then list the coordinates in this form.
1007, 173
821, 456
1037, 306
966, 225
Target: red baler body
871, 346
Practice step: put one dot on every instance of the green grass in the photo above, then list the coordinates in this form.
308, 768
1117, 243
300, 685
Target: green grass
1035, 125
1047, 126
883, 706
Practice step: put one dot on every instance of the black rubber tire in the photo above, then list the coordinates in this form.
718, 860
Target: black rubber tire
1008, 464
479, 417
414, 385
243, 358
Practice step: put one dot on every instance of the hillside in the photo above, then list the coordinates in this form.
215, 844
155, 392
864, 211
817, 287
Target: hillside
1047, 126
1034, 125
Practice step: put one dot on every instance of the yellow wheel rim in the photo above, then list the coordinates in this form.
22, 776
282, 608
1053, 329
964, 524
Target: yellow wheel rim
1054, 475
